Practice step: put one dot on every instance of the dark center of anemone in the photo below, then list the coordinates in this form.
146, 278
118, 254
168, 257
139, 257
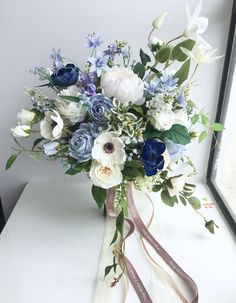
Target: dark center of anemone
53, 124
109, 148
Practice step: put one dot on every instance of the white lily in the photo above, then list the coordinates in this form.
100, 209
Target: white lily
200, 55
195, 25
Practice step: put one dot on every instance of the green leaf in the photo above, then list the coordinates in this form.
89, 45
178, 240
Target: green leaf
202, 136
99, 195
178, 134
114, 237
182, 73
177, 53
167, 199
11, 160
217, 127
138, 109
204, 119
164, 54
144, 57
210, 225
38, 115
120, 222
36, 142
149, 134
73, 171
71, 98
132, 172
195, 119
183, 200
108, 269
139, 69
156, 188
194, 202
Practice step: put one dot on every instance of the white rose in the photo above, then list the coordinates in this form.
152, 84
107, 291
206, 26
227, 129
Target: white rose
157, 23
51, 126
104, 176
123, 84
161, 120
25, 117
181, 117
176, 185
108, 149
73, 111
21, 131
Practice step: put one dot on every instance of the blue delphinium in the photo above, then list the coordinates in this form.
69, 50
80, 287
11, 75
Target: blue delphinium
164, 84
181, 99
175, 150
66, 75
88, 85
99, 106
152, 156
81, 143
92, 41
98, 63
57, 59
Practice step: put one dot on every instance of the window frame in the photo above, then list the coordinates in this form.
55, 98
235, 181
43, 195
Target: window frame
226, 81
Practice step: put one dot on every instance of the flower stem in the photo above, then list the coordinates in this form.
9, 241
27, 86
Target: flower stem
176, 38
195, 69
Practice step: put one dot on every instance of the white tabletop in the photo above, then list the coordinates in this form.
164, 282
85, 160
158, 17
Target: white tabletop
50, 247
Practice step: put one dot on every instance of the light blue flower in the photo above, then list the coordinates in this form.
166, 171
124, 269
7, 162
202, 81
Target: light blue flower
81, 143
92, 41
181, 99
50, 148
57, 59
175, 150
99, 106
98, 64
164, 84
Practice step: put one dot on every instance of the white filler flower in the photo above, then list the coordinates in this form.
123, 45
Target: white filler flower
105, 177
21, 131
108, 149
123, 84
51, 126
25, 117
176, 185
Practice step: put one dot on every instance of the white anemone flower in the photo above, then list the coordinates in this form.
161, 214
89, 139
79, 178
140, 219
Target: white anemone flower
195, 25
200, 54
52, 125
109, 150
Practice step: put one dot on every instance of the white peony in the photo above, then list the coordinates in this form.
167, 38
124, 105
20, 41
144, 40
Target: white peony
51, 126
21, 131
161, 120
105, 177
123, 84
25, 117
109, 150
181, 117
176, 185
73, 111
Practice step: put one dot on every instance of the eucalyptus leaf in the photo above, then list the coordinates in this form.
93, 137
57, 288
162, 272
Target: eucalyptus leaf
178, 134
217, 127
194, 202
178, 54
167, 199
182, 73
204, 119
163, 54
11, 160
202, 136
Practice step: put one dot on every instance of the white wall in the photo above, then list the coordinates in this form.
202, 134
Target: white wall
29, 29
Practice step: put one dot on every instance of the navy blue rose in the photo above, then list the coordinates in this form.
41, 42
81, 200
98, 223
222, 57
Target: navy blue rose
99, 106
66, 75
152, 156
81, 143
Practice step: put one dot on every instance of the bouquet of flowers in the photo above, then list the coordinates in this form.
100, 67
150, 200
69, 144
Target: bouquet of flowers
122, 120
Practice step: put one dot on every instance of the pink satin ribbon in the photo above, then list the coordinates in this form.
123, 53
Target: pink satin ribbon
133, 275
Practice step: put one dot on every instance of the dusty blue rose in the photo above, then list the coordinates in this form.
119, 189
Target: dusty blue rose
99, 106
152, 157
175, 150
65, 76
81, 143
